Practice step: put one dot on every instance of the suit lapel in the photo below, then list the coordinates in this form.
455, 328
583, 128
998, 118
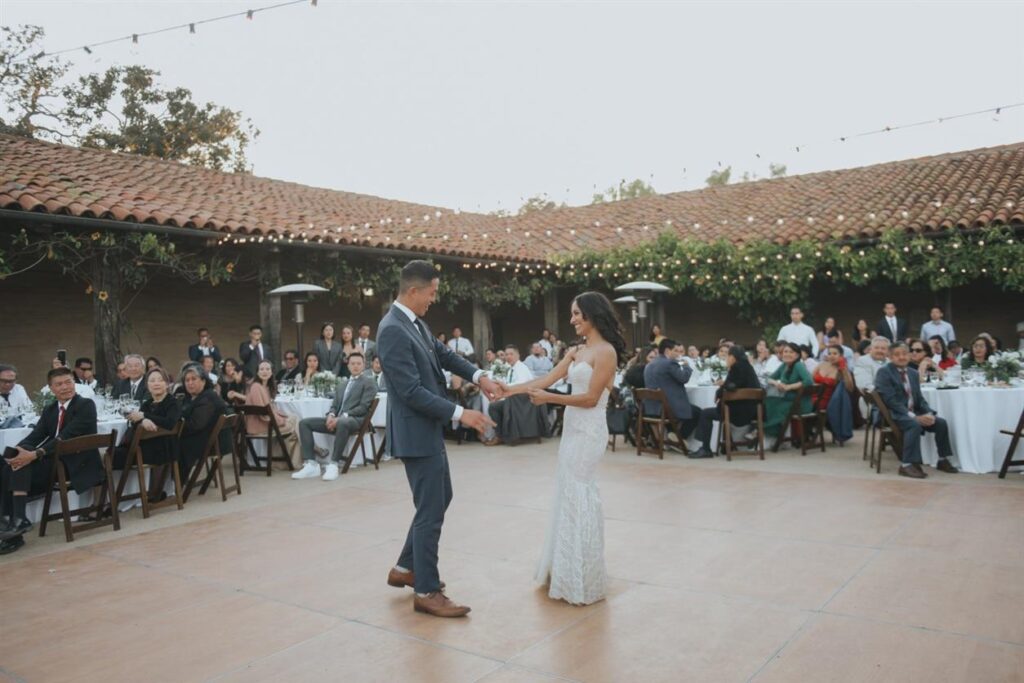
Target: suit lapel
415, 332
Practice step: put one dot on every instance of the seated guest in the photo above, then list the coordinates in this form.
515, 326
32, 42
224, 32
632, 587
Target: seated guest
941, 354
312, 366
261, 392
515, 418
500, 353
956, 350
329, 351
921, 358
742, 375
833, 373
785, 382
122, 372
765, 362
291, 368
899, 386
869, 364
809, 361
538, 362
557, 349
664, 373
201, 407
203, 348
545, 342
210, 368
351, 404
232, 382
12, 394
29, 471
377, 374
693, 353
490, 358
460, 344
981, 349
723, 350
159, 411
84, 373
152, 362
132, 385
634, 375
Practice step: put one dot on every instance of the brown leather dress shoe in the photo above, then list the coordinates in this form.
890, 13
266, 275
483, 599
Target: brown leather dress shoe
403, 579
946, 466
438, 605
914, 471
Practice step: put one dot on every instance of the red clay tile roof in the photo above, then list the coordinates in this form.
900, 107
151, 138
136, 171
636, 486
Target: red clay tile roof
961, 190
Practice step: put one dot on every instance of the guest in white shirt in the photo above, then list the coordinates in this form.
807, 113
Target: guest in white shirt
460, 344
937, 327
810, 362
520, 373
867, 366
538, 361
210, 366
765, 362
796, 332
545, 342
12, 395
84, 373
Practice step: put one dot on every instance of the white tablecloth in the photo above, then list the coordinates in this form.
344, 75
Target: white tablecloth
318, 407
975, 416
34, 509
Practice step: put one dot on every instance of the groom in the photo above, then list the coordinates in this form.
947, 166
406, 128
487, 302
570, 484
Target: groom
418, 408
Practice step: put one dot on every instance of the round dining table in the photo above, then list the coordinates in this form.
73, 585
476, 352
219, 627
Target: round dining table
975, 416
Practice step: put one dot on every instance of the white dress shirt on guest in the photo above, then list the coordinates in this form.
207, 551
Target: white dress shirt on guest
17, 398
937, 329
461, 346
800, 333
520, 373
539, 365
546, 345
864, 371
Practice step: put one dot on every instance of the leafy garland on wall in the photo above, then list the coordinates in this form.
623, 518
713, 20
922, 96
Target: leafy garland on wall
762, 279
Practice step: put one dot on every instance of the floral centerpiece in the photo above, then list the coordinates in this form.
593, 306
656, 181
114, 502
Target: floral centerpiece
500, 370
715, 367
323, 382
1003, 366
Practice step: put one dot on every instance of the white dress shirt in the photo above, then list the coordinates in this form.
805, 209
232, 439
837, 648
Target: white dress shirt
17, 398
520, 374
864, 371
546, 345
461, 346
457, 415
937, 329
799, 333
539, 365
893, 327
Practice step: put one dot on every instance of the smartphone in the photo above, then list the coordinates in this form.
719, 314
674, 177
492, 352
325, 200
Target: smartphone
62, 356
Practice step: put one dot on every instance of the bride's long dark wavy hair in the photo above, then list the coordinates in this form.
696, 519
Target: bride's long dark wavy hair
596, 309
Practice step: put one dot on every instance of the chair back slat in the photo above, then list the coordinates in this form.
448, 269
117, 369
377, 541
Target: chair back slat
743, 395
89, 442
658, 395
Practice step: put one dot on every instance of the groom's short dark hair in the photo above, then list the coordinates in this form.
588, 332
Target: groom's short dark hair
667, 344
416, 274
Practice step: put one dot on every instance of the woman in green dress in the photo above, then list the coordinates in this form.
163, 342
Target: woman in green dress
789, 377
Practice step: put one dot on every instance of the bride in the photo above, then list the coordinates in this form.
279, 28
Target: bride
572, 561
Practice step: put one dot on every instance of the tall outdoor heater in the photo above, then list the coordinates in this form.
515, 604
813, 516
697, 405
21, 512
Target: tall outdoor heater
644, 293
303, 293
632, 303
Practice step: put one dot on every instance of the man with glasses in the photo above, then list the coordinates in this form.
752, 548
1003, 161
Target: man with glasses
291, 368
84, 373
12, 395
921, 358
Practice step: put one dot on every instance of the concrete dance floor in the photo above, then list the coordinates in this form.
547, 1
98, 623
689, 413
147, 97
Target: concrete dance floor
794, 569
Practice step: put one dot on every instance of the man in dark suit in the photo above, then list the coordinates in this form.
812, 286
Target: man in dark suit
365, 344
352, 399
418, 409
900, 389
28, 471
205, 347
665, 373
254, 351
133, 384
892, 328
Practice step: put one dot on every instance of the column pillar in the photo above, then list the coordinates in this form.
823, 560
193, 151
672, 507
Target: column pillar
483, 332
270, 306
551, 311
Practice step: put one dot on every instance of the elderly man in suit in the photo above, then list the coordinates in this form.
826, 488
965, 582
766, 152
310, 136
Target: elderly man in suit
352, 399
900, 388
133, 385
664, 373
418, 410
27, 470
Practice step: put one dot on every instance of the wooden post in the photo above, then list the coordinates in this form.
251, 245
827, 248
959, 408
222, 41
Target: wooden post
270, 306
551, 311
483, 333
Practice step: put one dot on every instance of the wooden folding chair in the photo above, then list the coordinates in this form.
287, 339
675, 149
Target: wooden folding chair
365, 427
659, 425
815, 418
59, 478
272, 436
1016, 434
134, 460
212, 457
888, 433
725, 431
869, 424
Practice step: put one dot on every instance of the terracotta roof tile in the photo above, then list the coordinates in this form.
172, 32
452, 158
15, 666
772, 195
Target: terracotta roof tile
961, 190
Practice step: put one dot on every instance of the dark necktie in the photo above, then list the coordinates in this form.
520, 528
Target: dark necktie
423, 333
362, 343
906, 389
6, 397
60, 420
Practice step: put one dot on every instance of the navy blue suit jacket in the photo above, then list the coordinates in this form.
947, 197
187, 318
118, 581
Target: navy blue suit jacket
889, 386
418, 404
662, 373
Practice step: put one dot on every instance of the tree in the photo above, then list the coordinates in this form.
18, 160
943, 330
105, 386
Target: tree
719, 178
776, 170
125, 110
540, 202
631, 190
722, 177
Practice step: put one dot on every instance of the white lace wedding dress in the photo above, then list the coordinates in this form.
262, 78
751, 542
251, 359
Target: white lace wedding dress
573, 555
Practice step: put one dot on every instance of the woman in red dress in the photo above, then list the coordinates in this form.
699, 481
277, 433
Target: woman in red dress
830, 373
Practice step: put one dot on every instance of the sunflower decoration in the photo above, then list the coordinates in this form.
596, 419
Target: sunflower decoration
230, 267
88, 290
95, 236
103, 296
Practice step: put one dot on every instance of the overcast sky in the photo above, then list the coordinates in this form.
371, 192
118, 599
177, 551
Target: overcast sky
475, 105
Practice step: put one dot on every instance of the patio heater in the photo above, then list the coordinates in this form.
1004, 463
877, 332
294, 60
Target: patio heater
302, 294
633, 317
644, 293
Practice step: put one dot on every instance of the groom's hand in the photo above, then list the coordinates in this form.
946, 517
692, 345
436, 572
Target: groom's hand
474, 419
494, 390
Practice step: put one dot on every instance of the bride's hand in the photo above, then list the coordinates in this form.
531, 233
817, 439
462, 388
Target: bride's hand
538, 397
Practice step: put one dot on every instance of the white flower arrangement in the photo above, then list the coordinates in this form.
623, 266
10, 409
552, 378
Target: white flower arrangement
500, 369
715, 366
323, 382
1003, 366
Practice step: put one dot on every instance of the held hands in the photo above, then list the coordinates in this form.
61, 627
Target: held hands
538, 397
474, 419
494, 390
